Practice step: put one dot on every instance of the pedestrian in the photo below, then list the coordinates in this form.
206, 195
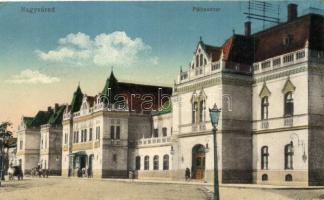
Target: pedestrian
187, 174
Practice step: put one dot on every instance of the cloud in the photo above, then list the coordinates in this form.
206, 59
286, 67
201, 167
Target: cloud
32, 77
116, 48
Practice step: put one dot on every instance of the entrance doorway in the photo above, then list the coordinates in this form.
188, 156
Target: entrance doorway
198, 162
90, 166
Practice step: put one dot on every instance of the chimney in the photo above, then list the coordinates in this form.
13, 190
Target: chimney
56, 107
247, 28
49, 108
292, 11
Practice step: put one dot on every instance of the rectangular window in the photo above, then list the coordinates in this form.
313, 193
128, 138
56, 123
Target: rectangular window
98, 133
85, 135
90, 134
45, 141
82, 135
156, 132
21, 145
164, 131
77, 136
117, 132
115, 157
112, 132
65, 139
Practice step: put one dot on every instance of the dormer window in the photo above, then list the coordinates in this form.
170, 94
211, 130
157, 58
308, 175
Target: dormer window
287, 40
197, 60
201, 60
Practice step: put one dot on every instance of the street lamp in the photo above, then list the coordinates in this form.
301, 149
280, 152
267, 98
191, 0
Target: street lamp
214, 117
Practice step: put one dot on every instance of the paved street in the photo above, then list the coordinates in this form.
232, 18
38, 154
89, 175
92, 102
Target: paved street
86, 189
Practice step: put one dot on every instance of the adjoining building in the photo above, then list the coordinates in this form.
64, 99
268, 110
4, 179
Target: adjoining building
100, 131
39, 141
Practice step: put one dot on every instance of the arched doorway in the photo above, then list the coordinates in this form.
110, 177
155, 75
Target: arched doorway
198, 162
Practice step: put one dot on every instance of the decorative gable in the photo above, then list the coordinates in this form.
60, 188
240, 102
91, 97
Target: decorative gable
265, 92
288, 87
194, 97
202, 94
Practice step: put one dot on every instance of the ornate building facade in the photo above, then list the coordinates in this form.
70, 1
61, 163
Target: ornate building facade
269, 85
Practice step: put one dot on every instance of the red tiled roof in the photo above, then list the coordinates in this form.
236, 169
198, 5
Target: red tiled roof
129, 89
269, 43
213, 51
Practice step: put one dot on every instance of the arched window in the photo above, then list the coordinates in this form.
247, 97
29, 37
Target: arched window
202, 110
166, 162
288, 177
146, 163
289, 105
264, 107
194, 111
156, 162
138, 162
197, 60
289, 153
264, 157
201, 60
264, 177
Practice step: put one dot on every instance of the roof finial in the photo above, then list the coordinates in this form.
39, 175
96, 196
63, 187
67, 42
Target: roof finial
200, 39
112, 68
180, 68
233, 31
79, 84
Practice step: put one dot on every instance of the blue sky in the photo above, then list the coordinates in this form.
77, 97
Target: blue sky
164, 33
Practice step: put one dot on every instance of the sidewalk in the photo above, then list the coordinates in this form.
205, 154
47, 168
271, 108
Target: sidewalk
195, 182
155, 181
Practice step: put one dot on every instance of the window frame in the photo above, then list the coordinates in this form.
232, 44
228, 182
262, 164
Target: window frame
147, 162
166, 162
264, 157
288, 104
264, 108
156, 162
289, 156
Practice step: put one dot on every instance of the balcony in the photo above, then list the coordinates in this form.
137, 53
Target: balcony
153, 141
281, 61
82, 146
199, 127
288, 121
264, 124
281, 122
115, 142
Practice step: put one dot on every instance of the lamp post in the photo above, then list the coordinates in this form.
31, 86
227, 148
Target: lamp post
214, 117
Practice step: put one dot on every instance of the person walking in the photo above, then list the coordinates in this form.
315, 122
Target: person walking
187, 174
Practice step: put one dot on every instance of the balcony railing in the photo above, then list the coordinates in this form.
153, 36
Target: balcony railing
199, 127
281, 122
153, 141
281, 61
288, 121
265, 124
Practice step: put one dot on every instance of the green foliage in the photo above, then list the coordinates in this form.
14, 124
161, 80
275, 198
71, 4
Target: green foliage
5, 133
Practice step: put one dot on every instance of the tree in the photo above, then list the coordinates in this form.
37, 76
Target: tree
5, 135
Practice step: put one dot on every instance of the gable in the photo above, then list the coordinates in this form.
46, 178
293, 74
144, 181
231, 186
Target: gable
288, 87
265, 92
